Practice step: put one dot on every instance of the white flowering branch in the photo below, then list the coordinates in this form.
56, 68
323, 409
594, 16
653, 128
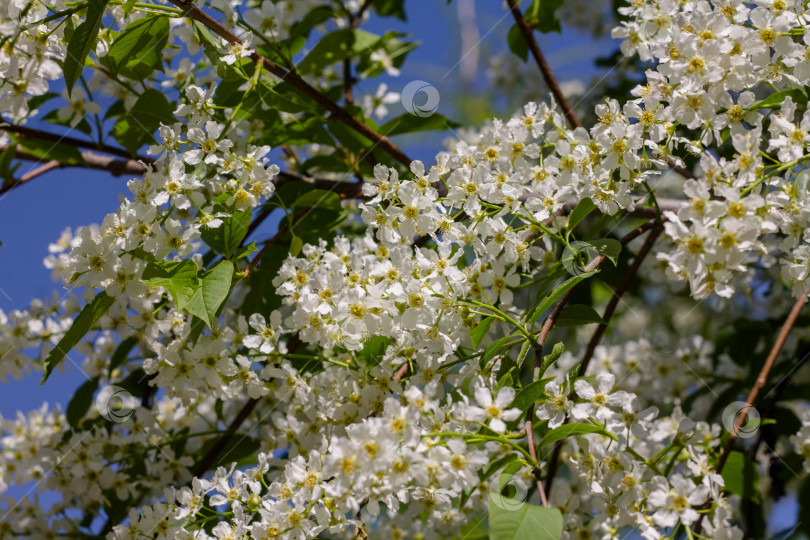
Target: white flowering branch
340, 114
762, 378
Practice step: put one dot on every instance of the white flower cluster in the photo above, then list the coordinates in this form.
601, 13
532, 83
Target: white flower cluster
350, 444
801, 440
711, 59
388, 459
90, 468
619, 478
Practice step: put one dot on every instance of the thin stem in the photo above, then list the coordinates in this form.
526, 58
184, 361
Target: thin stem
69, 141
617, 296
545, 70
272, 241
787, 326
626, 239
91, 160
762, 378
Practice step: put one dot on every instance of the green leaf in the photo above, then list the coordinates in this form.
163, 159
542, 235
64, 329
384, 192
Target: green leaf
296, 245
524, 352
136, 128
390, 8
474, 529
549, 359
318, 198
517, 43
214, 289
477, 334
244, 251
558, 292
530, 394
497, 465
48, 150
776, 99
568, 430
6, 159
577, 315
510, 519
541, 15
374, 349
121, 352
500, 345
313, 18
178, 278
741, 475
411, 123
80, 402
609, 247
82, 42
138, 50
336, 47
582, 210
227, 237
86, 319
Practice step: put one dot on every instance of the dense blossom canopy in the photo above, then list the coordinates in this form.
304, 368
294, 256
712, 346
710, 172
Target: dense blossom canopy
382, 367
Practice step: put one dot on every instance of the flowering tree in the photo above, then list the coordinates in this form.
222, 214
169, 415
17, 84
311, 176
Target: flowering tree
552, 331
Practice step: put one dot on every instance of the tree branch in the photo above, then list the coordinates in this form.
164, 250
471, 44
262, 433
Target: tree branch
538, 353
298, 82
617, 295
281, 230
787, 326
92, 160
545, 70
121, 167
69, 141
42, 169
762, 378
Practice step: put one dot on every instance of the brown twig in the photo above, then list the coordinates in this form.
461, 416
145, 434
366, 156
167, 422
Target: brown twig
69, 141
91, 160
210, 457
538, 359
617, 296
213, 453
545, 70
787, 326
538, 474
42, 169
120, 167
761, 378
402, 371
298, 82
281, 230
